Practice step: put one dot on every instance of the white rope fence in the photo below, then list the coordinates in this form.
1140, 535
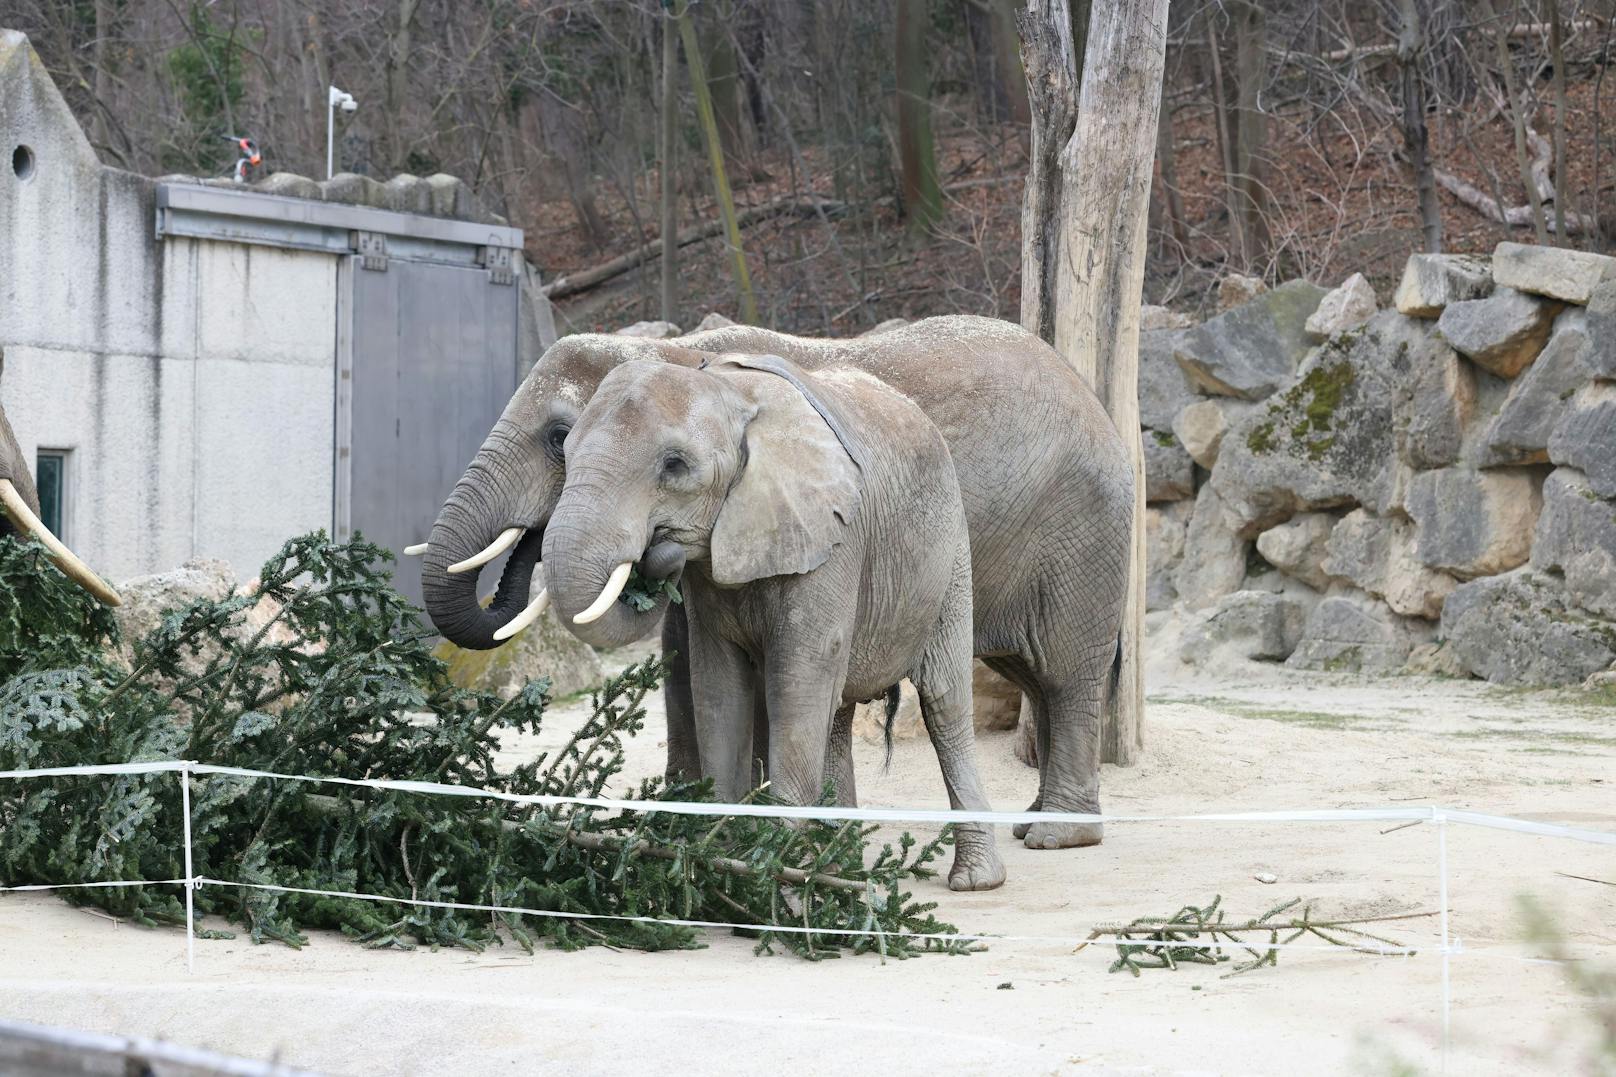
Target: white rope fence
1447, 946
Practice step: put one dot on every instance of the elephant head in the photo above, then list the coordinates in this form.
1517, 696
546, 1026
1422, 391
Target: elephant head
505, 499
743, 464
19, 514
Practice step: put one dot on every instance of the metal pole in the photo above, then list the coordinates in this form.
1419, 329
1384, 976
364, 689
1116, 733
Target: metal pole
190, 877
1441, 819
330, 140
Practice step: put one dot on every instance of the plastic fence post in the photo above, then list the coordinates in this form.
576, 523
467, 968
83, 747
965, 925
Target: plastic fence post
1440, 818
190, 875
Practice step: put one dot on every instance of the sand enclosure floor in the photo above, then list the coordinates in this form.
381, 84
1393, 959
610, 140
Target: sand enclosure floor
1267, 741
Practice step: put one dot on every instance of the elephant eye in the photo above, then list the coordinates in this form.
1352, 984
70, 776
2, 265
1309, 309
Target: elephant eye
674, 466
555, 440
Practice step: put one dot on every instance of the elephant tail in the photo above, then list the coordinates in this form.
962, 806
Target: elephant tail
893, 697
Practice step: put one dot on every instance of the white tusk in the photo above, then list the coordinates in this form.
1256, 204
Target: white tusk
507, 539
76, 570
417, 550
534, 611
608, 595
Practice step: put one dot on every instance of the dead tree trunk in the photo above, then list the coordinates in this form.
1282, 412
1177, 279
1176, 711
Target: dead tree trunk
667, 137
1415, 136
1099, 213
917, 153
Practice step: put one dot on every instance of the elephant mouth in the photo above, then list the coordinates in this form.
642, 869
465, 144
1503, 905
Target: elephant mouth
637, 583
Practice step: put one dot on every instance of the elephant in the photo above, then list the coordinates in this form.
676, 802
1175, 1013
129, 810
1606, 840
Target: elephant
19, 514
825, 558
1044, 476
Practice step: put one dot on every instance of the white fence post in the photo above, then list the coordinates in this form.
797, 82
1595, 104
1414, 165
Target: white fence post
190, 874
1440, 819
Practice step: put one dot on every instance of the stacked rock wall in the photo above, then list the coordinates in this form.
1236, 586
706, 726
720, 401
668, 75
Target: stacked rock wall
1430, 487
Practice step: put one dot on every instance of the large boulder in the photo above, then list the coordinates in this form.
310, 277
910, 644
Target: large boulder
544, 649
870, 719
1237, 288
1252, 350
1258, 625
1434, 406
1567, 275
1165, 527
1200, 427
147, 599
1585, 436
1155, 317
1539, 398
1518, 629
1344, 308
1432, 281
1502, 333
1328, 440
653, 330
1602, 330
1169, 471
1352, 632
1576, 537
1297, 547
1214, 560
1164, 390
713, 320
1474, 523
1377, 554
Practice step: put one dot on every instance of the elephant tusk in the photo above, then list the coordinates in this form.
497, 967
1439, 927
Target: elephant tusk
417, 550
507, 539
534, 611
75, 570
608, 594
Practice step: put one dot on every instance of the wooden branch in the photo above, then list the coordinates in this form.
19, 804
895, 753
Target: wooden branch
1363, 52
613, 843
1513, 216
585, 279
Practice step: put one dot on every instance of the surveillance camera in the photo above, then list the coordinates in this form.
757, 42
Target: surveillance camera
341, 98
349, 104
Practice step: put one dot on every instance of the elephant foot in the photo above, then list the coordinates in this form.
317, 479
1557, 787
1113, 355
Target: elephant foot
976, 863
1062, 835
1020, 829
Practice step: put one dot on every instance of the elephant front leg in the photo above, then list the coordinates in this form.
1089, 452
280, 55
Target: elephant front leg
943, 681
684, 757
839, 761
721, 680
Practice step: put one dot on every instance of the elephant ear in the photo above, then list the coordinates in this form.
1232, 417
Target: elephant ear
799, 487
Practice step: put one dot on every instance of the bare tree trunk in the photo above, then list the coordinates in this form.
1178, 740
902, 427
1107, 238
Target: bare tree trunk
1251, 125
670, 197
917, 153
1557, 58
1098, 204
715, 158
1507, 66
1007, 59
398, 59
1172, 200
1239, 248
1050, 58
1416, 139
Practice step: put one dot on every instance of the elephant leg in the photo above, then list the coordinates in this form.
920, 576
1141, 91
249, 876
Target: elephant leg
722, 681
1034, 718
839, 761
943, 682
1069, 764
684, 758
760, 731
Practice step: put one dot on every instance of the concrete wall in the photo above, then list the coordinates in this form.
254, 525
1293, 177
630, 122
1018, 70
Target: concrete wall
191, 380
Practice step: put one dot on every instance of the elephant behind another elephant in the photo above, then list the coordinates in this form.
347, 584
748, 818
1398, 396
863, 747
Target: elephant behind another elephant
1044, 479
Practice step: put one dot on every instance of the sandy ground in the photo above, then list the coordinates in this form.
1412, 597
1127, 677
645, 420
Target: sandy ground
1266, 740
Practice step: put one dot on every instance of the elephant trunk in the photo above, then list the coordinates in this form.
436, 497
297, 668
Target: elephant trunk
584, 558
471, 520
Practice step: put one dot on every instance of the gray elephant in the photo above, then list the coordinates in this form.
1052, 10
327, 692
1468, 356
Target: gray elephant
827, 559
19, 514
1043, 475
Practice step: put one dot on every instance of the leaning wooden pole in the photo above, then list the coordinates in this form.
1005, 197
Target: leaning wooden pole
1106, 172
715, 157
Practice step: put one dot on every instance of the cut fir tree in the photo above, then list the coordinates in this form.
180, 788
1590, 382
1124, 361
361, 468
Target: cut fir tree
339, 681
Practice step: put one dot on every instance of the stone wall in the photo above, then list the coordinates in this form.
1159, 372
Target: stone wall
1429, 487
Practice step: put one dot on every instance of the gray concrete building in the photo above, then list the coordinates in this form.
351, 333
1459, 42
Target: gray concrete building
203, 369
